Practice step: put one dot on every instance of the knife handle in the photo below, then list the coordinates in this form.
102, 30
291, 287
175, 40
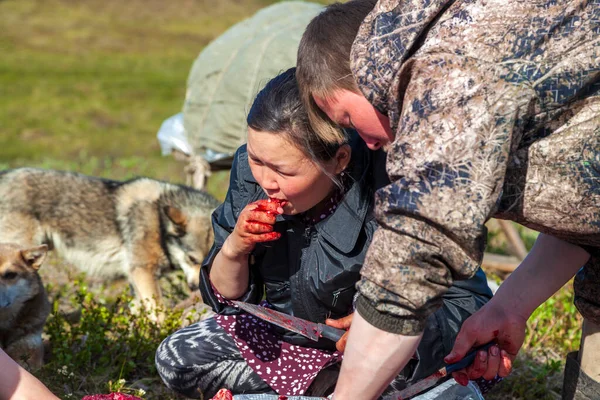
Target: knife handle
468, 360
331, 333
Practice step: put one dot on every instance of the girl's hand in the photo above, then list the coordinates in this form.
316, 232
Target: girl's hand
254, 225
342, 323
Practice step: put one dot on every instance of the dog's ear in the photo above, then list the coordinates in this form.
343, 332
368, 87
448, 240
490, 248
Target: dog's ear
35, 256
177, 221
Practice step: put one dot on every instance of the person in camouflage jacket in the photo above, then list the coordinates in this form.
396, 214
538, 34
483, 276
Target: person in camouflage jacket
488, 108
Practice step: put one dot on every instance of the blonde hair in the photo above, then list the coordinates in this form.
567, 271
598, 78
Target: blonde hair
323, 64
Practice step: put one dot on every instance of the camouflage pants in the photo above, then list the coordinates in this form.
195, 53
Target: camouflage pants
587, 288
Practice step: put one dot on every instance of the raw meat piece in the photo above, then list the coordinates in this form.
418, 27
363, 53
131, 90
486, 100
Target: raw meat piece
223, 394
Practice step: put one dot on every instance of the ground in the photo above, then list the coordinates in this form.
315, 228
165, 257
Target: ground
84, 86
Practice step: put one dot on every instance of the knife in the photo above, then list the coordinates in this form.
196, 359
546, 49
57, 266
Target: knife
311, 330
434, 378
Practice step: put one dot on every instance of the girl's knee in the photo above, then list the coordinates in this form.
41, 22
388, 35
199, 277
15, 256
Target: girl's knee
178, 377
169, 364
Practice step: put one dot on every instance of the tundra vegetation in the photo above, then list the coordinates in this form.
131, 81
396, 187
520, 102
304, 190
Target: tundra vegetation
84, 86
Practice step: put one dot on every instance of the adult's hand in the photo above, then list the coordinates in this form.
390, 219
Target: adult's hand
342, 323
549, 265
491, 323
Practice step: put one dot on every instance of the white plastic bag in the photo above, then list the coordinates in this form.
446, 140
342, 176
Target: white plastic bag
171, 136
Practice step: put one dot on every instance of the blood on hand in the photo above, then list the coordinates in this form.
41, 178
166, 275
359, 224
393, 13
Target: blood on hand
262, 231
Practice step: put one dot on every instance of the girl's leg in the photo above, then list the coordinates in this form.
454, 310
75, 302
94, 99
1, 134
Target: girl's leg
203, 358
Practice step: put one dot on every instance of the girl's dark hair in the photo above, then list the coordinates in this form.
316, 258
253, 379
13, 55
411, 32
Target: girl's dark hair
278, 109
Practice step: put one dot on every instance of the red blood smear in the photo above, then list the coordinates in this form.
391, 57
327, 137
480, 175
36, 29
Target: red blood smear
282, 397
279, 202
272, 235
438, 374
251, 223
111, 396
462, 379
223, 394
496, 332
273, 316
262, 206
259, 207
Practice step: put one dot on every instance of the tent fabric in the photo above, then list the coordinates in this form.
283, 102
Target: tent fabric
229, 72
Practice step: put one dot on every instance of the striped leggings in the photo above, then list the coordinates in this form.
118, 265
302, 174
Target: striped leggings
202, 358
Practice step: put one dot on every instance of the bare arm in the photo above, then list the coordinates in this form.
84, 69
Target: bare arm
372, 359
551, 263
18, 384
229, 273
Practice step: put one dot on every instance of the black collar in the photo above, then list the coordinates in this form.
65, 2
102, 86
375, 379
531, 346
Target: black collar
343, 227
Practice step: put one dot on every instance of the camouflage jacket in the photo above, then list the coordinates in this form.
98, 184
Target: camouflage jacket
496, 109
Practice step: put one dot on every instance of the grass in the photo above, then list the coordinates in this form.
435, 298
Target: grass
105, 348
97, 78
84, 86
95, 343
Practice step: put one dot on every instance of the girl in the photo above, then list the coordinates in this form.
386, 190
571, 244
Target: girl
293, 230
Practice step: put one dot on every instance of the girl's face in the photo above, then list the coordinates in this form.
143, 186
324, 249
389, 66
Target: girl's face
353, 110
286, 173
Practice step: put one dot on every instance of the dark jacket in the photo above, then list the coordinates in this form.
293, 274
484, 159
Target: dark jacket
311, 271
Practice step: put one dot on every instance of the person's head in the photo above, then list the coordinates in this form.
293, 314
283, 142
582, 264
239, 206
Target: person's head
327, 86
286, 158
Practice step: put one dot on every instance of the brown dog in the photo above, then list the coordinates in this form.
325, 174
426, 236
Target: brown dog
135, 229
24, 305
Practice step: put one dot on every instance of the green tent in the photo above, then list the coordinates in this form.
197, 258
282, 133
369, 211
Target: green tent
230, 71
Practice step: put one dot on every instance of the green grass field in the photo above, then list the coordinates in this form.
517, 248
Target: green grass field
84, 86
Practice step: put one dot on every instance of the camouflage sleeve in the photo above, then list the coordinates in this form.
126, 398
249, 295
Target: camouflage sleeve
447, 165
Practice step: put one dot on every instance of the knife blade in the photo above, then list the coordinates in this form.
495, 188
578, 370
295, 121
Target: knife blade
434, 378
311, 330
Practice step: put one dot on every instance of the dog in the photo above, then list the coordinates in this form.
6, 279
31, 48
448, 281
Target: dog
24, 305
107, 228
